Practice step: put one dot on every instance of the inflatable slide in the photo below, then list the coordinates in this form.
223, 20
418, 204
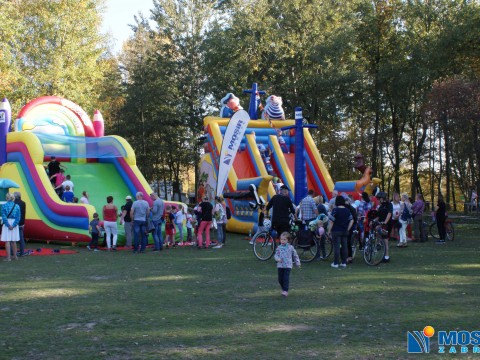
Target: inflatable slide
101, 165
260, 159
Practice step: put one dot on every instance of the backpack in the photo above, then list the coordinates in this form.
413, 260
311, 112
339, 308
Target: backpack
229, 213
406, 214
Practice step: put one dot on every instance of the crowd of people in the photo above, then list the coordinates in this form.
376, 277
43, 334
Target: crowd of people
139, 220
341, 216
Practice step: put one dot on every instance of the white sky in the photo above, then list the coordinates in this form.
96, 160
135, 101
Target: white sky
119, 14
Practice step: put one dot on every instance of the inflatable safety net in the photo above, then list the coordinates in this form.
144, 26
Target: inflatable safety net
81, 147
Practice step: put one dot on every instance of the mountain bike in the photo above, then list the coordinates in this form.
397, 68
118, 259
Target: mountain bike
374, 247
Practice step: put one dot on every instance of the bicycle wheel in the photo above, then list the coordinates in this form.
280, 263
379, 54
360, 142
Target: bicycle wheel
306, 253
434, 231
263, 246
450, 232
367, 252
374, 251
355, 243
325, 247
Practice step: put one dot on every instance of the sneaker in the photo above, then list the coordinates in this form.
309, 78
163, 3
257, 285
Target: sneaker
96, 250
333, 265
88, 247
385, 260
440, 242
285, 293
218, 246
114, 248
251, 242
343, 266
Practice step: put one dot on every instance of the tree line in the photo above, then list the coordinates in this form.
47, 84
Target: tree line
394, 80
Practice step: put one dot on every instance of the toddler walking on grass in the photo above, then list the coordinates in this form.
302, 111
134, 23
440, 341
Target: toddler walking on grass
285, 256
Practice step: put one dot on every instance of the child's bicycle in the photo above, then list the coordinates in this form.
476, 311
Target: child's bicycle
374, 247
449, 229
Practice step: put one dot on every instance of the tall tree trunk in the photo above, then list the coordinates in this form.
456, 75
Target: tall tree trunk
417, 155
447, 163
396, 137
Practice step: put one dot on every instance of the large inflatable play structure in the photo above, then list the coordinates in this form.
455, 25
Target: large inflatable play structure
101, 165
265, 153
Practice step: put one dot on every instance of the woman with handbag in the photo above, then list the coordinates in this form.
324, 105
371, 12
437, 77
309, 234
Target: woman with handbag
10, 231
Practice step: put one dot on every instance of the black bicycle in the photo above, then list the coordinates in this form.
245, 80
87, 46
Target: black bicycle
449, 230
264, 245
304, 241
374, 248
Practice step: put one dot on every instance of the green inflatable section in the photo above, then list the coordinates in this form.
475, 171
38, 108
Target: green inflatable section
99, 180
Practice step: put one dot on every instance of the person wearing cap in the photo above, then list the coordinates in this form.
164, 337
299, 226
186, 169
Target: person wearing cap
126, 220
282, 207
230, 104
139, 213
158, 208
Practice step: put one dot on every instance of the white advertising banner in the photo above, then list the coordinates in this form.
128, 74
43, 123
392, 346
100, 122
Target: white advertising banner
231, 141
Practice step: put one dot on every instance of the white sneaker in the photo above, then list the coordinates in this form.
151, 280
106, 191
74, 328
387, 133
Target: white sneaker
333, 265
218, 246
343, 266
251, 242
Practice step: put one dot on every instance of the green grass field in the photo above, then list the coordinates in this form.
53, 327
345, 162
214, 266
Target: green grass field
224, 304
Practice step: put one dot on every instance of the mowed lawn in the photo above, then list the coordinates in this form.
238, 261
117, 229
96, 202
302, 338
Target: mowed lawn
186, 303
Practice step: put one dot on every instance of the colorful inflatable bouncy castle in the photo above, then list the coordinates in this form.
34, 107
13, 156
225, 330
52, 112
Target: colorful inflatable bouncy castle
101, 165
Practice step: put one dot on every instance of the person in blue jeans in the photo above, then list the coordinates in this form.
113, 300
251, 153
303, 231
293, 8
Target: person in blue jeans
341, 221
140, 211
158, 209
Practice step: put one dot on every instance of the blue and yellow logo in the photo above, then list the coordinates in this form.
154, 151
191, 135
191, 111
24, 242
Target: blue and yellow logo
419, 342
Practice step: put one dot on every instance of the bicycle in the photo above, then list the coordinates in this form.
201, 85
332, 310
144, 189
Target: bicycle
374, 247
304, 242
449, 229
264, 244
355, 242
